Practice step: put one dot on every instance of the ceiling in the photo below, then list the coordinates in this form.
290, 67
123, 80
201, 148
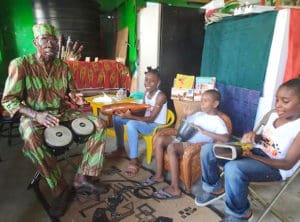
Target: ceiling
110, 5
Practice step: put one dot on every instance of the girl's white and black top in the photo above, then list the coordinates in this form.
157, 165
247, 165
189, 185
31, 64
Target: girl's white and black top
277, 141
162, 116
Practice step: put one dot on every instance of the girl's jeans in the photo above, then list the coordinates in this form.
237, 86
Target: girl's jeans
237, 175
133, 128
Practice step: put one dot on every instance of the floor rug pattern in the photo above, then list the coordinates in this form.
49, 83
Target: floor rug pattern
128, 200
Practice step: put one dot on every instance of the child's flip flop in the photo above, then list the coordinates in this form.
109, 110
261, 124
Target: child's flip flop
164, 195
149, 181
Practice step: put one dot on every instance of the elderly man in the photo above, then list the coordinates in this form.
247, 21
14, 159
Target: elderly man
36, 87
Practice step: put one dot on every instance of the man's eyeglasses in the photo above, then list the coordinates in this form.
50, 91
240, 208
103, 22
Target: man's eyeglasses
44, 41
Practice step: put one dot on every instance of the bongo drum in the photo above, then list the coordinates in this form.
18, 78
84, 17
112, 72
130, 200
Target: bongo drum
231, 151
58, 138
185, 131
82, 128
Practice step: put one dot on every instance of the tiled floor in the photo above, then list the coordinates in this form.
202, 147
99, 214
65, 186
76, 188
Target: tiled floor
17, 204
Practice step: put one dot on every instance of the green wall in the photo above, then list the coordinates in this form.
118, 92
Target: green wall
16, 20
16, 35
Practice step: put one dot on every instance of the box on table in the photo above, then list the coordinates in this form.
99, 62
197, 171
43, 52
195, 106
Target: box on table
204, 83
197, 94
183, 81
182, 94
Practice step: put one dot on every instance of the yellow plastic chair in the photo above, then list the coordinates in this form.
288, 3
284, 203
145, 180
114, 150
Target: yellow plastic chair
148, 138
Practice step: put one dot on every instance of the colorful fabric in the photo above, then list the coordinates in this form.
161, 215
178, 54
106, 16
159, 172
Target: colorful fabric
103, 73
276, 65
29, 83
293, 61
44, 29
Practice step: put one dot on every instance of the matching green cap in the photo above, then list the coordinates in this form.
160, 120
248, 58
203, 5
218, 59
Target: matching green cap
44, 29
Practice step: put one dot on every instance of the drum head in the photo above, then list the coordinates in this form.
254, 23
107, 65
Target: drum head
82, 127
58, 136
186, 131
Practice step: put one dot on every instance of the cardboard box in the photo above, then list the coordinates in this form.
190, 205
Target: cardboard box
197, 95
204, 83
182, 94
184, 81
189, 95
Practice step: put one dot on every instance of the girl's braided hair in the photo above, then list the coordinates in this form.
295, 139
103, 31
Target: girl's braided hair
293, 84
153, 70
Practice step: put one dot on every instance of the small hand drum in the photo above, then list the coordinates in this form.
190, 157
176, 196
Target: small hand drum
82, 129
58, 138
185, 132
231, 151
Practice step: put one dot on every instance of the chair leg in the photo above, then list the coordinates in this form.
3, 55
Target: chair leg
278, 195
186, 177
270, 206
283, 188
148, 141
265, 204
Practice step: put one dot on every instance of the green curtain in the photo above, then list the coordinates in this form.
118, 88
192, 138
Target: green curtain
236, 50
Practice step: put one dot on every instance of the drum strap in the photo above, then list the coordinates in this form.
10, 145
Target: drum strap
264, 120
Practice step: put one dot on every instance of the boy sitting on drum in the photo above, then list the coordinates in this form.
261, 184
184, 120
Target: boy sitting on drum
210, 127
36, 88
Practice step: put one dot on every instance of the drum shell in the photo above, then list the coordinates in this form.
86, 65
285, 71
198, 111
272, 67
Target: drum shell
227, 151
82, 129
185, 131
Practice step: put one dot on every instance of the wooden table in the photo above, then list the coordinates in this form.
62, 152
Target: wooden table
96, 106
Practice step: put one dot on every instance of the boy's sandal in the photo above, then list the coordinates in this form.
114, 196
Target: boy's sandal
149, 181
164, 195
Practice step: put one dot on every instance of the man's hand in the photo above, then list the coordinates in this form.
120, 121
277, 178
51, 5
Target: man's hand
46, 119
77, 98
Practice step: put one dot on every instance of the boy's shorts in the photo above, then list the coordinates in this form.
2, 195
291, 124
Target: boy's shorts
184, 144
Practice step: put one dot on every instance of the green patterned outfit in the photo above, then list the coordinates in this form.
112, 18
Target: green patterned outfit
30, 84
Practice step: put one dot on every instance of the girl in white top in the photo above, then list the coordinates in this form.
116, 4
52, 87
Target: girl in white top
281, 135
275, 157
152, 100
135, 124
276, 141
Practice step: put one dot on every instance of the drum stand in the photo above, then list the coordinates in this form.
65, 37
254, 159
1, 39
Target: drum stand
35, 182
